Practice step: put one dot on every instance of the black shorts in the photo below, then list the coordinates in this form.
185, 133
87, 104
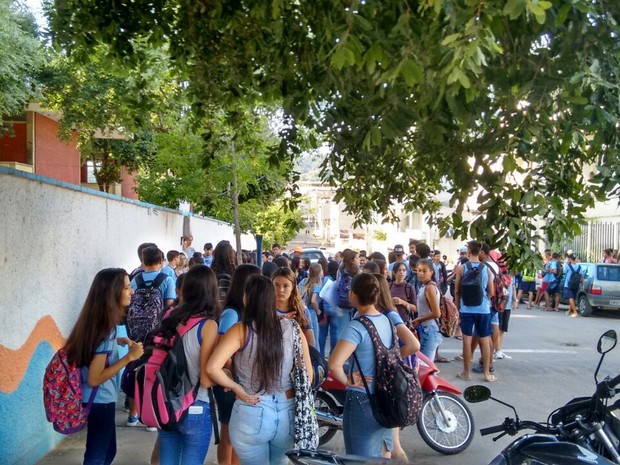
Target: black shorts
504, 319
225, 401
528, 286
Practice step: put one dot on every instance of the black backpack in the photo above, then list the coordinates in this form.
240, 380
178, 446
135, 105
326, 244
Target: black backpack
397, 400
146, 308
574, 282
471, 284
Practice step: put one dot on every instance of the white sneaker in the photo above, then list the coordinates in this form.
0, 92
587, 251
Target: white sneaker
500, 355
152, 429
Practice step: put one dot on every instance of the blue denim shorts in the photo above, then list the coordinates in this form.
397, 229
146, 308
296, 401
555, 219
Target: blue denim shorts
568, 294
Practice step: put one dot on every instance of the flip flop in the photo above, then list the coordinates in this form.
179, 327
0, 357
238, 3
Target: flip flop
458, 358
442, 360
492, 379
460, 338
460, 376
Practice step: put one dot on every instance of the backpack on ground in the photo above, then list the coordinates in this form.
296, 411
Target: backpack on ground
574, 282
62, 395
163, 389
146, 308
397, 400
344, 286
471, 284
501, 287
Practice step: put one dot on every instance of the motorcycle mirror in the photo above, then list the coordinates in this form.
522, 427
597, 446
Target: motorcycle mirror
475, 394
607, 342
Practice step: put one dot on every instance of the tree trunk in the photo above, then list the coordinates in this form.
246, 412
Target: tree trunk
235, 201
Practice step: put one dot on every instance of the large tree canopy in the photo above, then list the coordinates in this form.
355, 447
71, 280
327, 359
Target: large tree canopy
511, 101
21, 56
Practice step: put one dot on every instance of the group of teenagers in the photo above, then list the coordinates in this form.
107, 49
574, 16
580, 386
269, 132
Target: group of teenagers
253, 319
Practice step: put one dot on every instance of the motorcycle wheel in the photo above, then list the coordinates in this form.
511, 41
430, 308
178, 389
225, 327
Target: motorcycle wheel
450, 437
324, 402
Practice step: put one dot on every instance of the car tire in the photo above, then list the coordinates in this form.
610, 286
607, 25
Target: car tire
583, 306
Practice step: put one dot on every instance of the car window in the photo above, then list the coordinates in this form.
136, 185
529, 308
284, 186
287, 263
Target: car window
608, 273
312, 255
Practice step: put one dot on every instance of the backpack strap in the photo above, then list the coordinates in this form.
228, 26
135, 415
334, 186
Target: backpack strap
93, 392
190, 323
140, 281
158, 280
372, 331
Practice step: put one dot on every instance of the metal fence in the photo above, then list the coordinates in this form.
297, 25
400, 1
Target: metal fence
595, 237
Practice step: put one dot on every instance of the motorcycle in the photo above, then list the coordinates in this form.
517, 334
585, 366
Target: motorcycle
584, 431
323, 457
445, 424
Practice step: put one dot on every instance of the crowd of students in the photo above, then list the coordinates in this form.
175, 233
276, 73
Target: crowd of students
244, 349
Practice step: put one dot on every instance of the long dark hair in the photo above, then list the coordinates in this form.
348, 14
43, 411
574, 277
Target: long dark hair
384, 301
223, 258
200, 298
234, 297
100, 314
260, 315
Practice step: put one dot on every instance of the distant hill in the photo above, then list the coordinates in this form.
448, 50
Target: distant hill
309, 166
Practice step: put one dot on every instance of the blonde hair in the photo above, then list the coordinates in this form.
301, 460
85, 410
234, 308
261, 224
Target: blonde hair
313, 279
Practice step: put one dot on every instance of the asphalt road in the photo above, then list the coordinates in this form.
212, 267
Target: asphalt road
553, 360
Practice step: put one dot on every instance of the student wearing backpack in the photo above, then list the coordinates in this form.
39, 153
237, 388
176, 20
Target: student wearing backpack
154, 291
363, 435
554, 274
261, 346
92, 345
310, 287
428, 310
573, 281
347, 270
386, 305
473, 290
233, 306
188, 444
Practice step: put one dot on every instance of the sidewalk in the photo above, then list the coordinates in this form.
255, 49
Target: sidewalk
134, 446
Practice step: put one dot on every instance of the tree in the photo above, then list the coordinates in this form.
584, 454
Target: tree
510, 101
21, 56
111, 108
221, 166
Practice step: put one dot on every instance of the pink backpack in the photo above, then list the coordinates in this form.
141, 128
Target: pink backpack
62, 395
163, 390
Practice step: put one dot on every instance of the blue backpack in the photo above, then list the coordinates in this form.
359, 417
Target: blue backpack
344, 286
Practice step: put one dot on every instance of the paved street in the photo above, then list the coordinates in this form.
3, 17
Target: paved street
553, 360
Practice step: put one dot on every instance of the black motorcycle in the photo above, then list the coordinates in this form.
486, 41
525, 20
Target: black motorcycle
584, 431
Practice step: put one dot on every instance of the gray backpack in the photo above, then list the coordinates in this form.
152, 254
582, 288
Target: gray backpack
146, 308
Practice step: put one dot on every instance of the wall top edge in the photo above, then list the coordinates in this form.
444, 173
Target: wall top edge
89, 191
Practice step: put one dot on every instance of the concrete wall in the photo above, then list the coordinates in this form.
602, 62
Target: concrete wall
54, 237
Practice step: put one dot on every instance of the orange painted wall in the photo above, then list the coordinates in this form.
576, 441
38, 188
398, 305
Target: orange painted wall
55, 158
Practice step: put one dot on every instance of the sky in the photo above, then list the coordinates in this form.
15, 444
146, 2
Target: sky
35, 7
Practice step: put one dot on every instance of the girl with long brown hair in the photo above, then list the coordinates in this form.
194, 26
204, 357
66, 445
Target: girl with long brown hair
262, 349
289, 303
93, 346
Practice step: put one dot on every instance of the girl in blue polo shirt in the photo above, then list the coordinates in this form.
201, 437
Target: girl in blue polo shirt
93, 345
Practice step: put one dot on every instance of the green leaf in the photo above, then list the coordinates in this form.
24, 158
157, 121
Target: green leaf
411, 72
449, 39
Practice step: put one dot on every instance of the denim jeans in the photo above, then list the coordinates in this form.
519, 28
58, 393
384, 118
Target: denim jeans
101, 435
430, 339
340, 321
362, 434
262, 433
314, 323
187, 445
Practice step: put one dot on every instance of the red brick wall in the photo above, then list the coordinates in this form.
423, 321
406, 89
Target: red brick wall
55, 158
129, 184
13, 146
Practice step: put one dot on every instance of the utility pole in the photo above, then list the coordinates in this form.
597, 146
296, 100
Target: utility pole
235, 201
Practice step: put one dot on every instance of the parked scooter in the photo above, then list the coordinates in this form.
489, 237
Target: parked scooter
584, 431
445, 424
